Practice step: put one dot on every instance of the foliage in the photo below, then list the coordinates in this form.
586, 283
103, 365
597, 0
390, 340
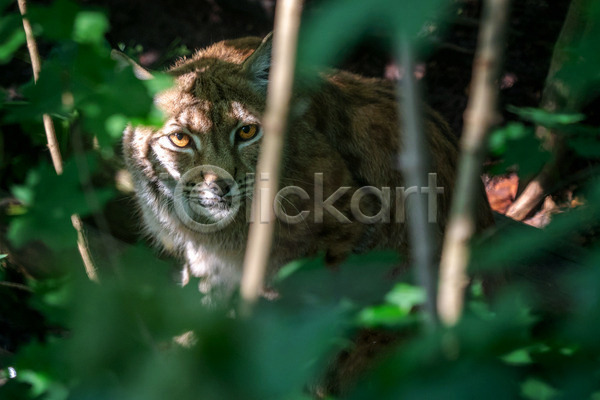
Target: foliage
114, 340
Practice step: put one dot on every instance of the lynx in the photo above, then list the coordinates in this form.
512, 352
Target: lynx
194, 176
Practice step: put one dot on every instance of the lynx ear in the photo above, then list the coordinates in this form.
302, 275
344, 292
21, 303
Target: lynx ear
258, 64
124, 61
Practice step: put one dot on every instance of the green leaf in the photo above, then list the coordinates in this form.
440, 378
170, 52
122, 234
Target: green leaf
330, 33
43, 97
12, 36
585, 147
43, 384
90, 27
158, 83
536, 389
517, 145
406, 296
115, 125
384, 315
584, 140
23, 193
546, 118
518, 357
360, 279
55, 22
398, 310
52, 201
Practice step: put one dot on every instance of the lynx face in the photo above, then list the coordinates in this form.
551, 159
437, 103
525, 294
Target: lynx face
204, 169
199, 164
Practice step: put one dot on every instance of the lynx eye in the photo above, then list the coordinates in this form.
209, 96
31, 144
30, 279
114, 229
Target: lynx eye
179, 139
247, 132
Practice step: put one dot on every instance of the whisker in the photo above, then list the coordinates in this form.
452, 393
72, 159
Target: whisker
297, 180
296, 209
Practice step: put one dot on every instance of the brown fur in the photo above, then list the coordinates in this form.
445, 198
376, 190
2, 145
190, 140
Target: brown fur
346, 128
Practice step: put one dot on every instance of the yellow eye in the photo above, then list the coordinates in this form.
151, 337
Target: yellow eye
179, 139
247, 132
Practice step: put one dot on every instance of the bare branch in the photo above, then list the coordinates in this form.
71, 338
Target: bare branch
287, 21
57, 161
414, 162
535, 191
479, 117
36, 66
18, 286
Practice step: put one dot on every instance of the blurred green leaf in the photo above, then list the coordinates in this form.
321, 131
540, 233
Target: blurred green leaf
158, 83
385, 315
43, 385
585, 147
406, 296
90, 27
517, 145
584, 140
12, 36
55, 21
43, 97
546, 118
514, 245
323, 41
52, 201
362, 279
518, 357
397, 310
499, 138
536, 389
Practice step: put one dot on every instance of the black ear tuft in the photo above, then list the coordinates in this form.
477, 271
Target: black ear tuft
123, 61
258, 65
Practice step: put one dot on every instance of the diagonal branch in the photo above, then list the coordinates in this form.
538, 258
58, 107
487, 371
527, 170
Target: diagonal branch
479, 117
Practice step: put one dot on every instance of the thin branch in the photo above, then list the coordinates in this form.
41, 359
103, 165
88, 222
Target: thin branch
16, 286
91, 197
84, 249
36, 66
57, 161
287, 21
479, 117
414, 162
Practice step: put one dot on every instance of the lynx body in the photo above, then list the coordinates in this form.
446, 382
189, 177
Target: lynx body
345, 130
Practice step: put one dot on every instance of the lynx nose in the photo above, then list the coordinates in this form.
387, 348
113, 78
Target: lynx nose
216, 186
